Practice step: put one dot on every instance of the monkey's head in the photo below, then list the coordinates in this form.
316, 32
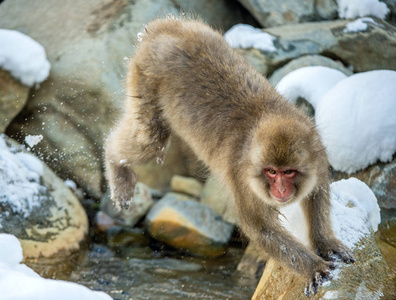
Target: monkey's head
285, 155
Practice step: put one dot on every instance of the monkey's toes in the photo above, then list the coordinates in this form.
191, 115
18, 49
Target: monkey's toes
319, 278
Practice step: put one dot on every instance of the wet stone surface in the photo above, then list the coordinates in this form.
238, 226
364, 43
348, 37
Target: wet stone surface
143, 273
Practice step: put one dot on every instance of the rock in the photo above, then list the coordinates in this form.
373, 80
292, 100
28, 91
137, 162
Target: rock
13, 97
102, 222
356, 49
186, 185
87, 46
178, 196
216, 196
189, 225
307, 61
253, 262
270, 13
118, 236
141, 203
368, 278
38, 208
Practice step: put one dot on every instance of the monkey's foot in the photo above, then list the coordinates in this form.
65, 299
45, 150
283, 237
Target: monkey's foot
319, 278
333, 249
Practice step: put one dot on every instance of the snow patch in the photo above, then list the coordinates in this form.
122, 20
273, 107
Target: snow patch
359, 25
20, 179
350, 9
310, 83
23, 57
70, 184
246, 36
33, 140
17, 281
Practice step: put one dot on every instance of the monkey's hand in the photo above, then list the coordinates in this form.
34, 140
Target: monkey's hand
330, 249
320, 275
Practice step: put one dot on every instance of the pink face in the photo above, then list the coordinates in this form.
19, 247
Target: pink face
282, 182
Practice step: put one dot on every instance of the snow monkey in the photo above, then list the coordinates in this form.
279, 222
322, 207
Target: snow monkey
186, 80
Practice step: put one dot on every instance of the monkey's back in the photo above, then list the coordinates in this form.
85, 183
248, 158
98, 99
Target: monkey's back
199, 86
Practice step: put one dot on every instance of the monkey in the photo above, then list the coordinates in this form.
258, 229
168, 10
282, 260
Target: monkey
185, 80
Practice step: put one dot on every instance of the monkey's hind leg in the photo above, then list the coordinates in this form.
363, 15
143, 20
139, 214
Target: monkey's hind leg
139, 137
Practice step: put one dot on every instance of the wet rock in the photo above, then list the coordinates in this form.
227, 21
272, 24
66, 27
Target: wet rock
141, 203
88, 46
186, 185
217, 197
190, 226
13, 97
37, 207
368, 278
102, 222
178, 196
270, 13
253, 262
307, 61
118, 236
356, 49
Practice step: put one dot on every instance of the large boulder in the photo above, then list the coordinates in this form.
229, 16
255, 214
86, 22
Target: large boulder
13, 97
38, 208
88, 45
362, 50
271, 13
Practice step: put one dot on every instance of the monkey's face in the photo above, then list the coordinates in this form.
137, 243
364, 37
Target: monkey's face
281, 182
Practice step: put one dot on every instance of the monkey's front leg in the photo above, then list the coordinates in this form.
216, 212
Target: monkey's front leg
317, 210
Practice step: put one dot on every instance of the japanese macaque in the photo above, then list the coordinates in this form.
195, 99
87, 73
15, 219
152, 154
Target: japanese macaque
184, 79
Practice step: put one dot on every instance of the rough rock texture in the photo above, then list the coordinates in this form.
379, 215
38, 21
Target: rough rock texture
13, 97
186, 185
307, 61
54, 229
87, 44
190, 226
253, 262
273, 13
360, 50
141, 203
215, 195
368, 278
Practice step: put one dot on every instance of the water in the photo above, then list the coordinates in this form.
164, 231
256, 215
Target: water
140, 272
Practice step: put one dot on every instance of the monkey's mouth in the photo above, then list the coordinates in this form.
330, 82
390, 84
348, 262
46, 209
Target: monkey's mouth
282, 199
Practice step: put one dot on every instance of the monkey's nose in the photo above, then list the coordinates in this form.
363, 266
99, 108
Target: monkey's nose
281, 190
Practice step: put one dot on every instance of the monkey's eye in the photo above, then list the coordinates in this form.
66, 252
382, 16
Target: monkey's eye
271, 171
289, 172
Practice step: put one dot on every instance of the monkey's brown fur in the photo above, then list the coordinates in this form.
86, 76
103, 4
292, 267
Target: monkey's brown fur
185, 79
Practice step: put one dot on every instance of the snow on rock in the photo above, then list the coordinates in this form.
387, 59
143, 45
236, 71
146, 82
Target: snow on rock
349, 9
310, 83
355, 211
359, 25
20, 179
356, 120
19, 282
33, 140
23, 57
246, 36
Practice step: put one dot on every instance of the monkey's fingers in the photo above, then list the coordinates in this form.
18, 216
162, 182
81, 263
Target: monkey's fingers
318, 279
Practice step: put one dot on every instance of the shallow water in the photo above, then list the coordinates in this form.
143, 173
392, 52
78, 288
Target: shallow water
143, 273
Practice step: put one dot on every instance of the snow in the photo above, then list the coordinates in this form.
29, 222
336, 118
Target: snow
356, 120
354, 213
310, 83
20, 179
355, 115
359, 25
19, 282
246, 36
23, 57
33, 140
350, 9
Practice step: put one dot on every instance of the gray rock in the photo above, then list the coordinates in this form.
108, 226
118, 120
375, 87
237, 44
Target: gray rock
217, 197
190, 226
87, 45
141, 203
272, 13
186, 185
307, 61
361, 51
38, 208
13, 97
